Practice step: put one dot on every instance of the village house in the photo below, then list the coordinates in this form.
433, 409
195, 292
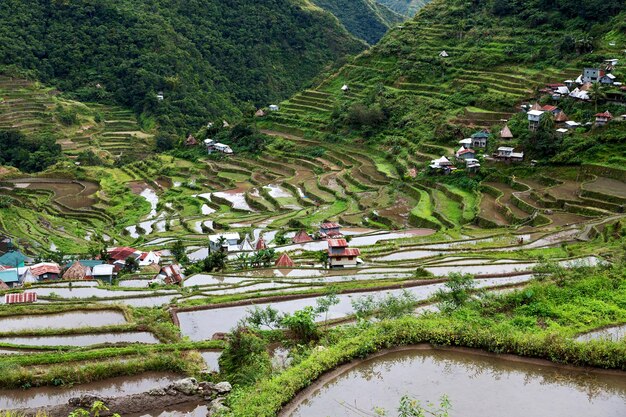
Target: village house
330, 229
274, 107
608, 79
260, 113
505, 133
534, 117
561, 132
191, 141
170, 275
122, 253
591, 75
10, 277
444, 54
472, 165
226, 242
301, 237
78, 272
284, 261
340, 255
212, 146
103, 272
560, 119
479, 139
46, 271
13, 259
570, 124
442, 164
552, 109
466, 143
508, 154
160, 96
6, 244
603, 118
463, 154
149, 258
345, 88
260, 244
246, 245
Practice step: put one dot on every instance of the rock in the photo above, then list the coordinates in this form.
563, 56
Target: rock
216, 407
187, 386
157, 392
171, 391
85, 400
222, 387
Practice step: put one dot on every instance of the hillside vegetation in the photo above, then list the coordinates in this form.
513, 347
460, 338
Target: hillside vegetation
407, 97
127, 51
404, 7
365, 19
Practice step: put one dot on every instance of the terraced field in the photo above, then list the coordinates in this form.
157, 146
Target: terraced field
108, 130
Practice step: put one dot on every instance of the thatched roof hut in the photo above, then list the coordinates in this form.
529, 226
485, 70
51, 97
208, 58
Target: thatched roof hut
77, 272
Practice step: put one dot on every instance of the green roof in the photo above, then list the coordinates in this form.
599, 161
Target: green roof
13, 259
480, 135
86, 262
9, 276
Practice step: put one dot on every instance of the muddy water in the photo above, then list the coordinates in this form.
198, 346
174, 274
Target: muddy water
614, 334
414, 254
41, 397
211, 358
203, 324
237, 199
181, 410
82, 339
477, 386
70, 320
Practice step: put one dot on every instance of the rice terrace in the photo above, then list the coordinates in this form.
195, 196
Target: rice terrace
386, 207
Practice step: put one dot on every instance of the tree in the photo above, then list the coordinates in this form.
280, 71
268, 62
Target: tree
245, 358
322, 256
326, 302
131, 264
302, 324
179, 252
263, 317
216, 261
243, 260
598, 93
164, 142
457, 291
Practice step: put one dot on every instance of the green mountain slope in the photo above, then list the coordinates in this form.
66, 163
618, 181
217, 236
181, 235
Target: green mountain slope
404, 95
404, 7
208, 57
365, 19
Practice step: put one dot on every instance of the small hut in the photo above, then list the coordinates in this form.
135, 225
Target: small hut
28, 277
284, 261
260, 244
302, 237
191, 141
345, 88
444, 54
77, 272
260, 113
505, 133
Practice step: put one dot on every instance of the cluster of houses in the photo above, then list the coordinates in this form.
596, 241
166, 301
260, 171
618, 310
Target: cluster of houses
210, 145
580, 87
331, 232
562, 123
18, 270
467, 152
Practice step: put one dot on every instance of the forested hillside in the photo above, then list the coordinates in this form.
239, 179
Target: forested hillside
409, 95
209, 58
366, 19
404, 7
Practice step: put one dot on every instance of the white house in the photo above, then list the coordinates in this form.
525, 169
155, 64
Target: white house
104, 272
508, 154
607, 79
570, 124
149, 258
534, 117
603, 118
230, 242
345, 88
160, 96
591, 75
444, 54
274, 107
223, 148
466, 143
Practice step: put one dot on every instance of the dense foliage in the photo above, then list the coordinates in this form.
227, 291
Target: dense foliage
365, 19
28, 153
404, 7
127, 51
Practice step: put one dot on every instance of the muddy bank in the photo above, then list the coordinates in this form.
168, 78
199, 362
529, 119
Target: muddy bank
182, 393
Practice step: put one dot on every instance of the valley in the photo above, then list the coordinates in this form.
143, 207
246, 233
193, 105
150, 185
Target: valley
409, 224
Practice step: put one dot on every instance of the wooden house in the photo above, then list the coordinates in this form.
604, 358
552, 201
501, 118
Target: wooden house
330, 229
302, 237
191, 141
104, 272
171, 274
534, 117
505, 133
508, 154
46, 271
465, 153
603, 118
340, 255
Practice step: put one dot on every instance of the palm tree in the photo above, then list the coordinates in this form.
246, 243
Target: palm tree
256, 259
221, 242
244, 260
598, 93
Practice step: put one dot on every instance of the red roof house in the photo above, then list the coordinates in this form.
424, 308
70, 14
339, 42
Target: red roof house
284, 261
121, 253
603, 118
260, 244
171, 274
340, 255
302, 237
46, 270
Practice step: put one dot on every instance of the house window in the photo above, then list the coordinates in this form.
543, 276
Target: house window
351, 258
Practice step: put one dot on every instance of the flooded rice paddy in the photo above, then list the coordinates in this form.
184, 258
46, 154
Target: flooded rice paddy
69, 320
476, 386
42, 397
613, 333
81, 339
203, 324
211, 358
